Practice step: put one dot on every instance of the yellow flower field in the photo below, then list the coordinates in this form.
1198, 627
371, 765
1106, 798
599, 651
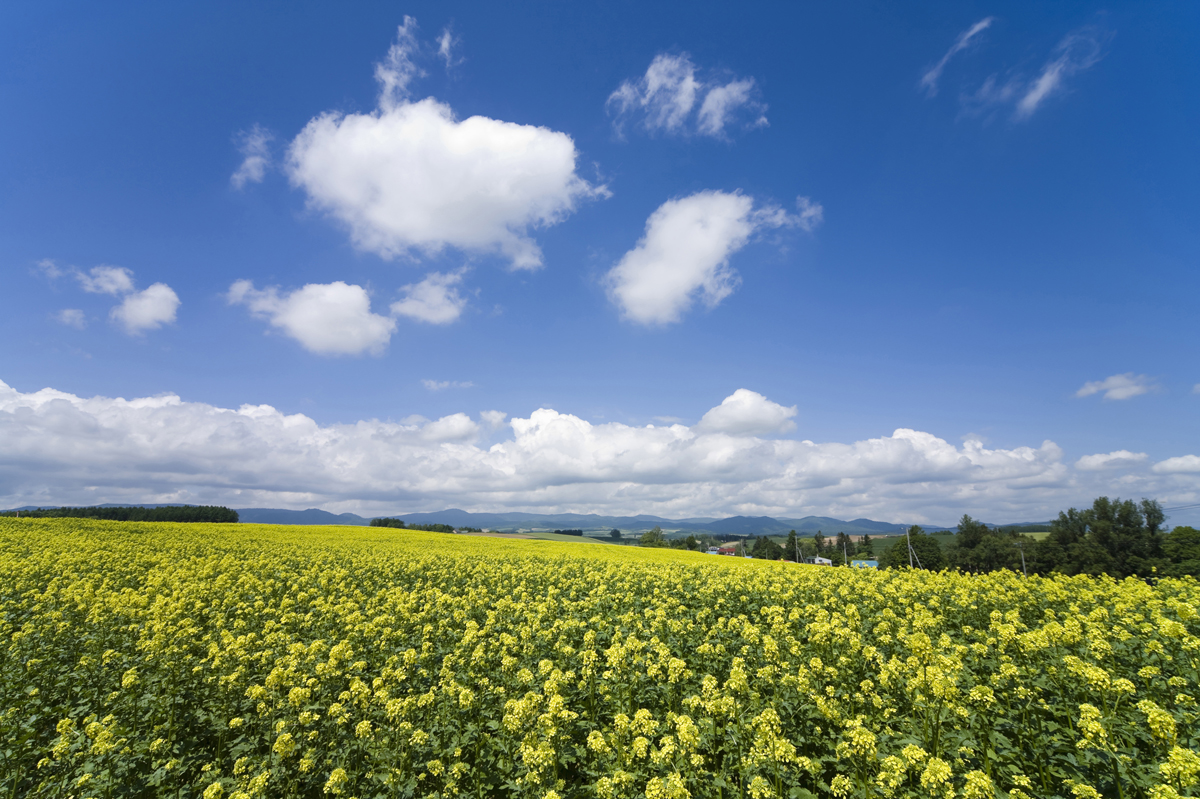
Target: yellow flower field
154, 659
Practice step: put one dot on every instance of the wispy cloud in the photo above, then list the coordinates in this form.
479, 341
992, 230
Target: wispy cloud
1119, 387
929, 81
1109, 460
447, 43
442, 385
254, 145
666, 96
1075, 53
72, 317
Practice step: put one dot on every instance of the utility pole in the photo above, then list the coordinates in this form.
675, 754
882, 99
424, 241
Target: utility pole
908, 541
845, 557
1021, 546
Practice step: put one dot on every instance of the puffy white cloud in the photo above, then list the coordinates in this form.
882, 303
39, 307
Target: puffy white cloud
106, 280
1118, 387
326, 318
147, 310
138, 312
684, 254
442, 385
1075, 53
1109, 460
665, 97
60, 448
435, 299
747, 413
410, 176
254, 145
931, 77
1184, 464
72, 317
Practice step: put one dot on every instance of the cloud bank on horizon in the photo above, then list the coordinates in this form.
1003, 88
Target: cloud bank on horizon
61, 448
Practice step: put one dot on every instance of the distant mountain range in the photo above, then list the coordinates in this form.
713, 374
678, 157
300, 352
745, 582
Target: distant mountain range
734, 525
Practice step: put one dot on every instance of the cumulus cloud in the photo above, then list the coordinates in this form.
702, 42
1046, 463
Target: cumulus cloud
434, 300
442, 385
138, 312
929, 81
411, 176
72, 317
254, 145
326, 318
666, 96
1184, 464
61, 448
684, 254
146, 310
748, 413
1119, 387
1109, 460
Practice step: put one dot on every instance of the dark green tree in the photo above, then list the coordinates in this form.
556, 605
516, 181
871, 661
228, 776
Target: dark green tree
1182, 548
1119, 538
928, 552
865, 547
792, 549
979, 548
615, 534
766, 549
653, 538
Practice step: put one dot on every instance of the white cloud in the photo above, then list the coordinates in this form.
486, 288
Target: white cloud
147, 310
50, 269
747, 413
254, 145
1196, 389
1078, 51
326, 318
493, 419
106, 280
435, 299
446, 44
61, 448
1184, 464
72, 317
931, 77
1075, 53
684, 254
1110, 460
138, 312
442, 385
399, 69
1118, 387
665, 97
410, 176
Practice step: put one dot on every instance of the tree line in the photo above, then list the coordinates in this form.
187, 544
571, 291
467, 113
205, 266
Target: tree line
1120, 538
428, 528
173, 513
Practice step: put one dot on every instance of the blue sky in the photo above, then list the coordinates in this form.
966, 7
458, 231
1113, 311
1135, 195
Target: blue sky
971, 221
